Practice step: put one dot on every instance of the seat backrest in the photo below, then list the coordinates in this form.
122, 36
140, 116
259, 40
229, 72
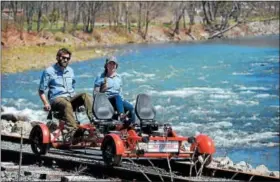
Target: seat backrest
102, 108
144, 108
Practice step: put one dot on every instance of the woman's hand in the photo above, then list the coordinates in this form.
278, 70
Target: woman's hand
103, 87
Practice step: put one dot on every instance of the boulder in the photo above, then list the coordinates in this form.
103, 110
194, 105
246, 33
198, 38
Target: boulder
26, 128
243, 166
9, 117
6, 126
225, 162
14, 117
262, 169
274, 173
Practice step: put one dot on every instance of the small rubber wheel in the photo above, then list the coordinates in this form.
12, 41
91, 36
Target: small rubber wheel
37, 145
109, 154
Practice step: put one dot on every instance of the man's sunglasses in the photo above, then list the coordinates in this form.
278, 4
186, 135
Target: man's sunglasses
65, 58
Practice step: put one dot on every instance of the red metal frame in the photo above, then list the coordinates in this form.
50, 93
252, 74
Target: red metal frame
126, 142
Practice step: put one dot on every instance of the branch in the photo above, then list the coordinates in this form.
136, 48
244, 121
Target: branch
223, 31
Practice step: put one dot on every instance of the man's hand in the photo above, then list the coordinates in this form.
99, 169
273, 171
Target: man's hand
47, 107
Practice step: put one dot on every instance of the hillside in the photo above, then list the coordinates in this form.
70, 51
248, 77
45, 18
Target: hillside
39, 49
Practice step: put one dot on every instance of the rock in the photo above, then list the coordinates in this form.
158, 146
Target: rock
41, 44
6, 126
26, 128
274, 173
262, 169
243, 166
33, 123
225, 161
205, 35
79, 178
27, 173
9, 117
14, 117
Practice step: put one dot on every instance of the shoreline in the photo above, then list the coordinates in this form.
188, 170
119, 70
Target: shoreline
16, 57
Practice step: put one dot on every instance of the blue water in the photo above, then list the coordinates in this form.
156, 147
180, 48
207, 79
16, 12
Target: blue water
227, 90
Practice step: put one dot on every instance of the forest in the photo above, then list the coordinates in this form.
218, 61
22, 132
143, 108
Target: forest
72, 16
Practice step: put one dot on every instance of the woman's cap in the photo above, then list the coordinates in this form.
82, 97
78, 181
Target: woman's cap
111, 59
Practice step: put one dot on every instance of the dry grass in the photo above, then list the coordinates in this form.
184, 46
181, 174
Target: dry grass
37, 57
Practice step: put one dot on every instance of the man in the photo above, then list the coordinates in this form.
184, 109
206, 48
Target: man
59, 80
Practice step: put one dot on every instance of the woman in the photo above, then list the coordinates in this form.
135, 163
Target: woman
110, 83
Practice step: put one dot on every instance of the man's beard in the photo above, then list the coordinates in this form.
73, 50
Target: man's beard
63, 64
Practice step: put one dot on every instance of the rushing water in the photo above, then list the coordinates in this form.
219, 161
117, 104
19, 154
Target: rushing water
228, 90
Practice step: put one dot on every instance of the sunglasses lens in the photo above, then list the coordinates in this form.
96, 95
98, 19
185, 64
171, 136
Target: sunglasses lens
65, 58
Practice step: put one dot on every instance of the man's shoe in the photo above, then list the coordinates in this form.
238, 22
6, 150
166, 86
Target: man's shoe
78, 136
68, 134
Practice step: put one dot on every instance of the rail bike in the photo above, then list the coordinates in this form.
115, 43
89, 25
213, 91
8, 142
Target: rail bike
119, 140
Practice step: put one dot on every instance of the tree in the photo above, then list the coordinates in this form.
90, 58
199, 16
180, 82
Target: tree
179, 13
39, 7
95, 8
77, 10
191, 11
65, 20
29, 11
127, 17
89, 14
54, 16
152, 10
139, 16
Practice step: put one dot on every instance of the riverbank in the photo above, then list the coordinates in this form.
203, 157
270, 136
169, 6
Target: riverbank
37, 51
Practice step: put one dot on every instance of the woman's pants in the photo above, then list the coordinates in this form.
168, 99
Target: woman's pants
122, 106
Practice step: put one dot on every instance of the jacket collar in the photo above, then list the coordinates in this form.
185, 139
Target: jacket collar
59, 69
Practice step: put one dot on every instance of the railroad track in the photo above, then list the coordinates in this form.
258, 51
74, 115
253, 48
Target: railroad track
95, 168
143, 170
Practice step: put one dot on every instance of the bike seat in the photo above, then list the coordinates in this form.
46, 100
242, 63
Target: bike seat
144, 108
102, 108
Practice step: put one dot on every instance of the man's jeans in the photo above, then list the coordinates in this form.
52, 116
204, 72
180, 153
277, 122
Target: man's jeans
66, 106
122, 106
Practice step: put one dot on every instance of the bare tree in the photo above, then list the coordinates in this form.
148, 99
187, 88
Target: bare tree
39, 7
65, 20
109, 13
206, 16
14, 7
139, 16
179, 13
54, 14
191, 11
77, 13
127, 17
29, 11
95, 8
89, 15
152, 10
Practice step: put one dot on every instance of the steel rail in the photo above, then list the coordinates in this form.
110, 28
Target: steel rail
182, 167
95, 168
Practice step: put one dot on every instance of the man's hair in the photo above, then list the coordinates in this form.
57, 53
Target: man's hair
63, 51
